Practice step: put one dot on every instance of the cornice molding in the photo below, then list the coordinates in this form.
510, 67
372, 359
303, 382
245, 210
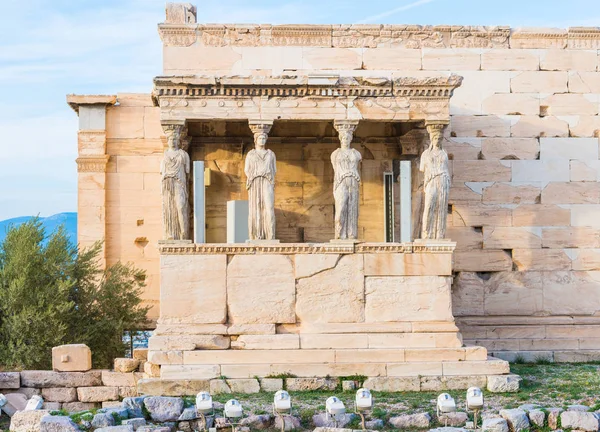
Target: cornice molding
376, 36
302, 86
92, 163
306, 248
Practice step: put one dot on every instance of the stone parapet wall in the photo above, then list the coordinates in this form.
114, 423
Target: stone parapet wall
72, 391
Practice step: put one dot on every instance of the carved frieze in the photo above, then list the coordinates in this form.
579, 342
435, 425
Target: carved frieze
430, 246
377, 36
176, 35
92, 163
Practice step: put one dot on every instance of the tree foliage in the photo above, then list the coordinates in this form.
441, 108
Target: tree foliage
52, 294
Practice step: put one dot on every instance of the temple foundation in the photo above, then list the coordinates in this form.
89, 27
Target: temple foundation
379, 310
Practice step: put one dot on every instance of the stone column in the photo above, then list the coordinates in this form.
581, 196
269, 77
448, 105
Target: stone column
436, 184
92, 162
260, 169
346, 182
175, 172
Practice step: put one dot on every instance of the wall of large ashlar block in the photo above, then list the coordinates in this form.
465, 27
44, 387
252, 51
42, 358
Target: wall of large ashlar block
133, 200
525, 199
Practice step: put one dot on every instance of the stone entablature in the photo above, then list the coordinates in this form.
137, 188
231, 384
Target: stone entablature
378, 36
305, 248
316, 97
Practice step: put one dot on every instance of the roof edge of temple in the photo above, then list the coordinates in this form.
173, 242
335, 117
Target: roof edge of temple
75, 100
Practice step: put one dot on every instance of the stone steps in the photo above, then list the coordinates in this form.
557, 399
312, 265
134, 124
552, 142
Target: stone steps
275, 367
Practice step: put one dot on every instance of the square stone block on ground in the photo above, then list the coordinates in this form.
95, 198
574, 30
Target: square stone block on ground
72, 358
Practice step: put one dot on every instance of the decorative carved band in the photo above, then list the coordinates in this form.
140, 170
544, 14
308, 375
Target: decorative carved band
92, 163
304, 86
369, 36
305, 248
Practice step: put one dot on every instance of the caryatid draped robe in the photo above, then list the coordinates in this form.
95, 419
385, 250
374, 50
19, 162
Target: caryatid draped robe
346, 188
434, 165
260, 172
174, 169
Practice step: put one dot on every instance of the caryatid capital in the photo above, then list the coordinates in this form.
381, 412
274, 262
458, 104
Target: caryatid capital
436, 130
260, 127
345, 130
176, 131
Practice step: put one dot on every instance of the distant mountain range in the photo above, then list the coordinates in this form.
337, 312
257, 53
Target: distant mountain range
51, 223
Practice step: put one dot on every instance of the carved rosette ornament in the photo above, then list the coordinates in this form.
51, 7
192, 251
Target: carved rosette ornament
260, 172
436, 186
346, 181
175, 170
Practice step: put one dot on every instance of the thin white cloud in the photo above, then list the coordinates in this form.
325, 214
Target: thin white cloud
374, 18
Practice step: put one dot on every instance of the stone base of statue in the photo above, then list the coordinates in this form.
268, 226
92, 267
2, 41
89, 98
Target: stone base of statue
382, 310
345, 241
174, 242
263, 242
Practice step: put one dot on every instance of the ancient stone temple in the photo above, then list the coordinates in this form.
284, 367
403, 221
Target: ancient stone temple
319, 200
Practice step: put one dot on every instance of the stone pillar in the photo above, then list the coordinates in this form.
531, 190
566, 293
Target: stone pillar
405, 201
92, 162
260, 169
436, 183
175, 170
346, 181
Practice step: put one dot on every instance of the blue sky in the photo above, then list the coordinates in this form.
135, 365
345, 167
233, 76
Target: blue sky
49, 48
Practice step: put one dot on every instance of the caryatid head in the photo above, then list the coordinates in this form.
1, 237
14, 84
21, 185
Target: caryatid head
346, 138
345, 130
260, 140
173, 134
436, 134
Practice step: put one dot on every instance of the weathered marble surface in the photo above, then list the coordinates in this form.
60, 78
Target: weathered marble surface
260, 173
434, 165
346, 183
174, 170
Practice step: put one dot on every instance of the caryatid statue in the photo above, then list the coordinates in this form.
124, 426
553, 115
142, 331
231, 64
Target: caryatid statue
260, 181
436, 185
174, 171
346, 182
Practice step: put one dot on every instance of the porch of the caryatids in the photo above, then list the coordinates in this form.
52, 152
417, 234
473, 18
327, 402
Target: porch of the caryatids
260, 169
346, 181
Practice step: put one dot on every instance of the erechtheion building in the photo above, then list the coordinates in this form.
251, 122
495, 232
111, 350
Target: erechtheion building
342, 199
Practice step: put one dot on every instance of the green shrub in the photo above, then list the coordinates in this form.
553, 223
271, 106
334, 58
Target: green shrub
51, 294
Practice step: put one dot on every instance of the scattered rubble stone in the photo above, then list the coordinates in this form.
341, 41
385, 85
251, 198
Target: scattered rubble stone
494, 424
163, 409
453, 419
584, 421
375, 424
537, 417
134, 406
581, 408
516, 418
259, 422
420, 421
321, 420
553, 414
103, 420
503, 383
51, 423
126, 365
27, 421
290, 423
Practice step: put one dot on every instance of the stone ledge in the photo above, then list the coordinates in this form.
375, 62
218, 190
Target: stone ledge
494, 383
378, 36
306, 248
